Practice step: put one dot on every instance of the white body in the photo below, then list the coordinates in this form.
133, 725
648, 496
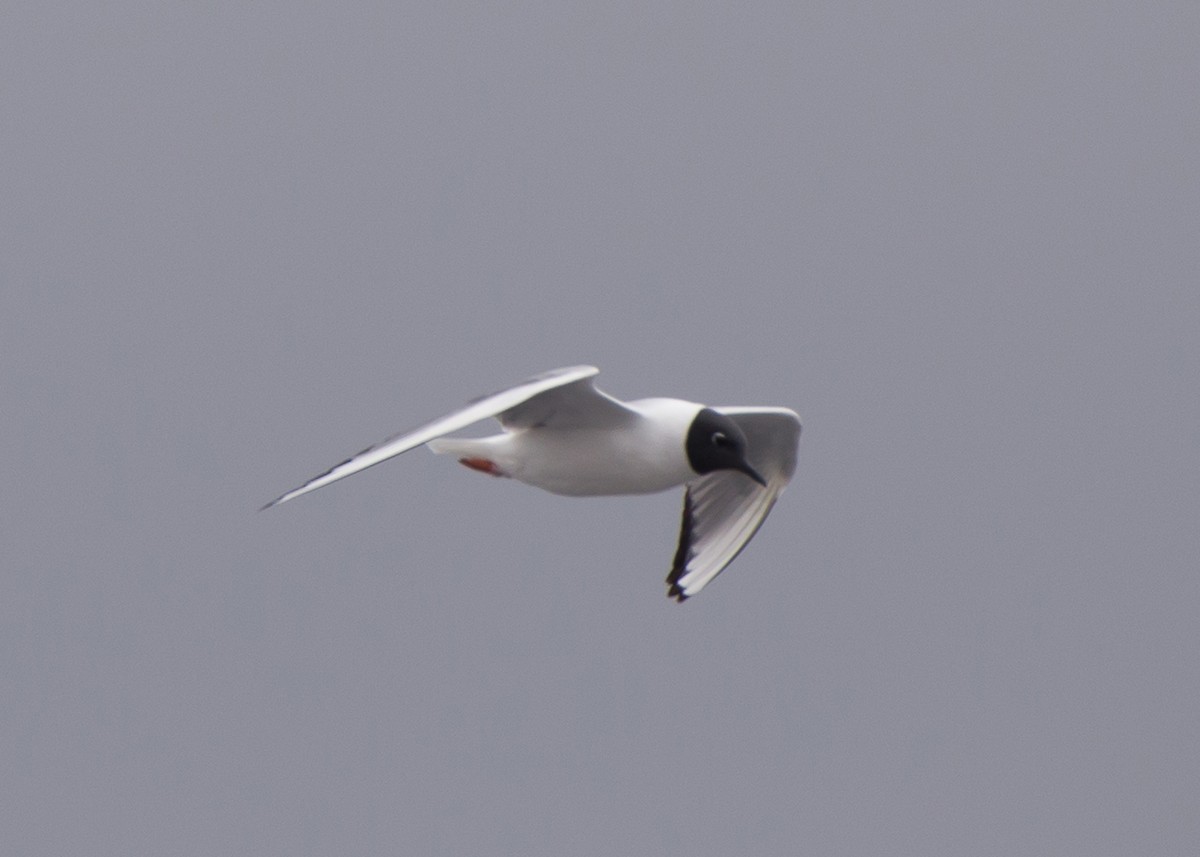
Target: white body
646, 456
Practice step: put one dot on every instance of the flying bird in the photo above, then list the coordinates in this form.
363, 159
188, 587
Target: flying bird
565, 436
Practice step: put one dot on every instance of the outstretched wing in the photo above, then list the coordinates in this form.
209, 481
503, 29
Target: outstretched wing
532, 402
576, 404
723, 510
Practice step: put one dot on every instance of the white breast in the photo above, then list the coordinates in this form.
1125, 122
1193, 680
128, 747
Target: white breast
646, 456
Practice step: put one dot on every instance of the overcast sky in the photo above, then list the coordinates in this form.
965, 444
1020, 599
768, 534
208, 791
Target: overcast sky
239, 241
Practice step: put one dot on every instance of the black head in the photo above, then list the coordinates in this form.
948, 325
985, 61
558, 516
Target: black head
714, 442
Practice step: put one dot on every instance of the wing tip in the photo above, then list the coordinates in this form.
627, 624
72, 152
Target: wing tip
676, 592
683, 554
282, 498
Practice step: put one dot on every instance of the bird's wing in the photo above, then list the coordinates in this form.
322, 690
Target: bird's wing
575, 404
723, 510
532, 402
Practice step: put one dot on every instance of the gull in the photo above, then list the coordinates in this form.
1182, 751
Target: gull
567, 437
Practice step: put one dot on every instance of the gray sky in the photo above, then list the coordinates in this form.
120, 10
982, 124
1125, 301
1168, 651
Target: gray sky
241, 241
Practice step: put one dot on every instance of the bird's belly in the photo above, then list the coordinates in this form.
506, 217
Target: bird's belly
594, 465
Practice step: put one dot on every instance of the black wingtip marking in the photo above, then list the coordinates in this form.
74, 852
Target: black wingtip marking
272, 504
684, 552
281, 497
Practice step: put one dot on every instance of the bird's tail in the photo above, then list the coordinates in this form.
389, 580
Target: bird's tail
460, 447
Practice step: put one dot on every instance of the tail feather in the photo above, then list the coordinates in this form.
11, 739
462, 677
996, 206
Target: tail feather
460, 447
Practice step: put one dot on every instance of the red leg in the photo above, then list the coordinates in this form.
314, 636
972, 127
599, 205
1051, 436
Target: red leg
483, 465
